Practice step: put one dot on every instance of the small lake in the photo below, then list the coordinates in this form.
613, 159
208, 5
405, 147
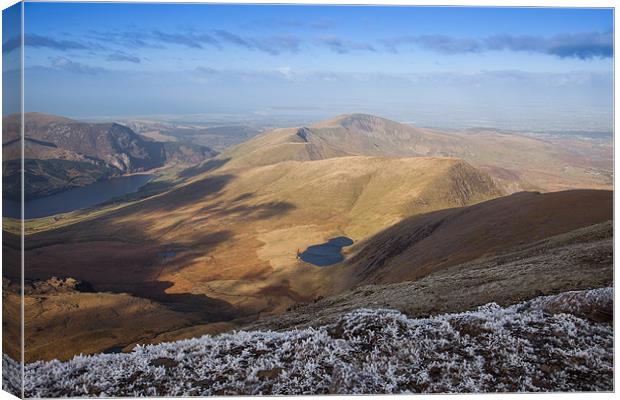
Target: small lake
327, 253
77, 198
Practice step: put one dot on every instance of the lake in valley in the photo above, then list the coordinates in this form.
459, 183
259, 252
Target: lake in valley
76, 198
327, 253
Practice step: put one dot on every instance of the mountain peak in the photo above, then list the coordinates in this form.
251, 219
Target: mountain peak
355, 119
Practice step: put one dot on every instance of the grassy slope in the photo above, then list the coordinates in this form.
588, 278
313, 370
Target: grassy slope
516, 162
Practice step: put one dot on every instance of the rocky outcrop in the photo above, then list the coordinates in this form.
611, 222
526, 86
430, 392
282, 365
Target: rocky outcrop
62, 153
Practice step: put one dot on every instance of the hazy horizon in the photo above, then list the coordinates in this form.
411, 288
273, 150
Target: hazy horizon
458, 67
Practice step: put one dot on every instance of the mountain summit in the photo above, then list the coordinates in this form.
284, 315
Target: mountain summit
516, 162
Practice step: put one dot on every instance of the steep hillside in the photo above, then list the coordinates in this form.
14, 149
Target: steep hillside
515, 162
420, 245
364, 194
354, 195
91, 151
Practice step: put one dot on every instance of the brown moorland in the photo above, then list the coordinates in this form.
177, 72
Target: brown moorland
219, 250
495, 228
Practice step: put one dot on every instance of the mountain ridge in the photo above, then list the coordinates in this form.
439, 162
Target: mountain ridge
516, 162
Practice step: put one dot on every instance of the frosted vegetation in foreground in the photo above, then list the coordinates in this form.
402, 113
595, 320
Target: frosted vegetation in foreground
555, 343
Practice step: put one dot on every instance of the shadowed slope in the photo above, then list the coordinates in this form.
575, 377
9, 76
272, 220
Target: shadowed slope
425, 244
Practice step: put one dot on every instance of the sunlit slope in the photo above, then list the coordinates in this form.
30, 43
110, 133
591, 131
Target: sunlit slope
516, 162
361, 195
287, 144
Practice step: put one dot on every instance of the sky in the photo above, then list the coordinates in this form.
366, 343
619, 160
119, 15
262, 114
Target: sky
521, 67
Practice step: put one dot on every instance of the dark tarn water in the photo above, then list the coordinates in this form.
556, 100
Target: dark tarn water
75, 199
327, 253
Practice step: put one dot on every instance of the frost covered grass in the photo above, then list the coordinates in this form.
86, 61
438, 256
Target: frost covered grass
540, 345
11, 376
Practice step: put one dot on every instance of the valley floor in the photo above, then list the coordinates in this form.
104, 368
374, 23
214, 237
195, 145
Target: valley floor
553, 343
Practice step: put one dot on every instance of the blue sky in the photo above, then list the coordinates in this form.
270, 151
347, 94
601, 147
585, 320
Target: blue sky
141, 59
11, 88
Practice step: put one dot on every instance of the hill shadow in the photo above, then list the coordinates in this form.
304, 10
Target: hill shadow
205, 308
112, 225
259, 211
137, 272
121, 257
207, 166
